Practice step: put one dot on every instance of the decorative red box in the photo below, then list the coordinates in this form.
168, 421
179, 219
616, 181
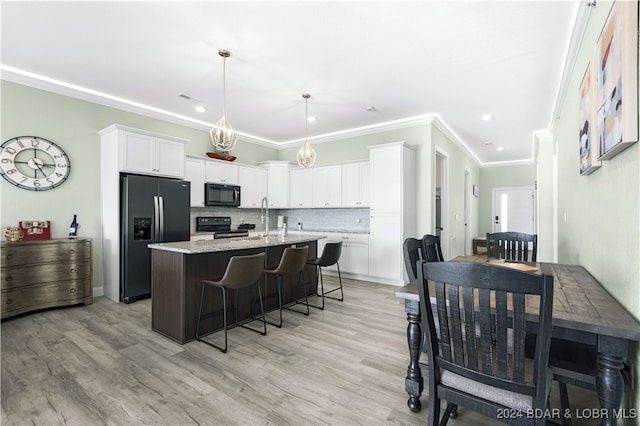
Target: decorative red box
36, 230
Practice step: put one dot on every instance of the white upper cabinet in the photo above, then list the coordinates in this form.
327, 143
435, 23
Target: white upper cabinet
301, 186
327, 186
277, 183
218, 171
253, 186
194, 172
386, 179
149, 154
355, 185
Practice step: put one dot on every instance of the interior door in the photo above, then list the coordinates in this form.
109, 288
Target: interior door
514, 210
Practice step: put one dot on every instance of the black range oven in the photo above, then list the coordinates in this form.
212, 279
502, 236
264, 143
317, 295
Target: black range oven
220, 226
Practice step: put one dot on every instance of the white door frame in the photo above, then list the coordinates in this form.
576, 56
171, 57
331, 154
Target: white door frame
467, 212
440, 154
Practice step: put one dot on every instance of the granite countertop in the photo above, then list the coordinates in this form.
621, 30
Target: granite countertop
230, 244
332, 231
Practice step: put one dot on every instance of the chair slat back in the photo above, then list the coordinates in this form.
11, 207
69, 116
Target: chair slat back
512, 246
475, 306
412, 251
431, 248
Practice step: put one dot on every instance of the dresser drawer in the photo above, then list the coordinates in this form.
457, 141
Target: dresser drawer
19, 276
42, 252
29, 298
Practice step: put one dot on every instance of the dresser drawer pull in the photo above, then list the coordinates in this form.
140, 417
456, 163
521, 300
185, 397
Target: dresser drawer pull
9, 301
9, 256
9, 278
72, 290
72, 270
72, 251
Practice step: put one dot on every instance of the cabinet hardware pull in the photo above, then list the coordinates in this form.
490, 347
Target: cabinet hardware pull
72, 251
72, 270
72, 290
9, 256
9, 301
9, 278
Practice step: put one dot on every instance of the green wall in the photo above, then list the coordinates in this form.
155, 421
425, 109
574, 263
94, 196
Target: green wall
425, 137
74, 124
602, 230
500, 177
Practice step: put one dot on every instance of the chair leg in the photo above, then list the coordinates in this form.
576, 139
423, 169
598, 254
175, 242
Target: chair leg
200, 312
279, 283
297, 302
321, 294
433, 414
262, 318
564, 402
447, 413
222, 349
341, 298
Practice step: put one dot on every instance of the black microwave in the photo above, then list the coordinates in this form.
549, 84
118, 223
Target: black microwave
217, 194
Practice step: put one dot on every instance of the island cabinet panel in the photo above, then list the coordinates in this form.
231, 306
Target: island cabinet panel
44, 274
177, 284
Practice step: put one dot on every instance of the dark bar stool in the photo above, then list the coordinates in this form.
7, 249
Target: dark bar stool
241, 272
292, 262
330, 256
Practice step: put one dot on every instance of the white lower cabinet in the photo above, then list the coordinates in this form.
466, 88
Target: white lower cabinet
386, 260
355, 251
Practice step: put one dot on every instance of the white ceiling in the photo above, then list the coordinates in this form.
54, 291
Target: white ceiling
455, 60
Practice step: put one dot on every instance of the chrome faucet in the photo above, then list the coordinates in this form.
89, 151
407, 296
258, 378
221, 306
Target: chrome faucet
264, 207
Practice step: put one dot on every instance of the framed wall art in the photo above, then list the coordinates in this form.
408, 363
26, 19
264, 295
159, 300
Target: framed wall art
586, 121
617, 88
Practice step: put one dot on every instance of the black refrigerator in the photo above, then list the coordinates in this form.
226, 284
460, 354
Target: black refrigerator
153, 210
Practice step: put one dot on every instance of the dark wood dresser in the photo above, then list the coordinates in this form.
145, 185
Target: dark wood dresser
45, 274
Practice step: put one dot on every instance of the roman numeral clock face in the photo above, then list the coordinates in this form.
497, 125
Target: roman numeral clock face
33, 163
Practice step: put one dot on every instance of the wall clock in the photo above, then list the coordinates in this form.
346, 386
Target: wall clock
33, 163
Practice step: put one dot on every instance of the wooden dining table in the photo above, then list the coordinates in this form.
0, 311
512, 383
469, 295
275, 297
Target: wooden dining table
584, 313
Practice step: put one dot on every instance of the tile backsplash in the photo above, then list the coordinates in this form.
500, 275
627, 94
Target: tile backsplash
337, 220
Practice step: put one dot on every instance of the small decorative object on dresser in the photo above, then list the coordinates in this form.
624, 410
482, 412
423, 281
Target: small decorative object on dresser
35, 229
13, 234
44, 274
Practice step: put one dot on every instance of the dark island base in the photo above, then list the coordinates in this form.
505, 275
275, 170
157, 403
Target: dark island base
176, 285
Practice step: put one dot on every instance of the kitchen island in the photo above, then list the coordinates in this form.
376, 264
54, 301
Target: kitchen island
177, 271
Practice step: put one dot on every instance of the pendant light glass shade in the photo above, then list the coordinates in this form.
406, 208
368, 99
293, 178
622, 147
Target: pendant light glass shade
306, 156
222, 134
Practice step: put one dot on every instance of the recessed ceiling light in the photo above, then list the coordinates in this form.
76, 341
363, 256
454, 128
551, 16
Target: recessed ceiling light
487, 117
311, 119
200, 108
500, 148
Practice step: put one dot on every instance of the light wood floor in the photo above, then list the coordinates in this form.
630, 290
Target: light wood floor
102, 364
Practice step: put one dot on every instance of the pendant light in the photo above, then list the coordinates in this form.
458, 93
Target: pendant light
306, 156
222, 135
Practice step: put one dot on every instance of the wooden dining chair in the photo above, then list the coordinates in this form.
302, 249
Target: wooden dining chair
431, 248
464, 367
412, 252
512, 246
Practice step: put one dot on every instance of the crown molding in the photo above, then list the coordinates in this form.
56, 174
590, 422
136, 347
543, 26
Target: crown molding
67, 89
583, 13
